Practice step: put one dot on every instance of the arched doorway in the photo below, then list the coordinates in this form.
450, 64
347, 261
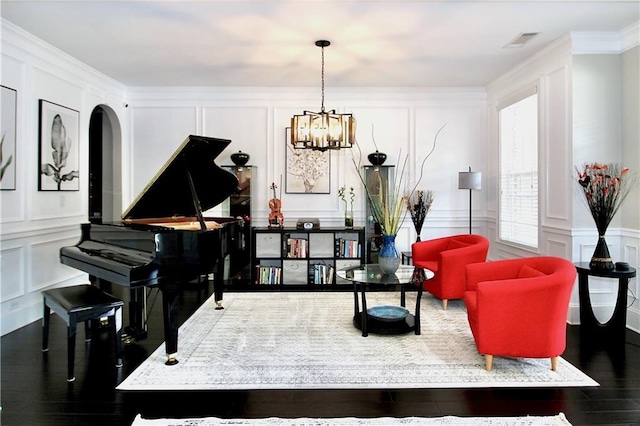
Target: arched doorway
105, 170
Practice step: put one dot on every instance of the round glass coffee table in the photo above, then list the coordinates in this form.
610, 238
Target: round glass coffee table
385, 319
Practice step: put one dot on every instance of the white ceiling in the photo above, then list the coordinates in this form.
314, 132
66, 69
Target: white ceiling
271, 43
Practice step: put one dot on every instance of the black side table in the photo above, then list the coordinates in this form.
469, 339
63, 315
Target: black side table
617, 324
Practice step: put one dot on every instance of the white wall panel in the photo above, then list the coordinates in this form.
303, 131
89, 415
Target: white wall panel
12, 262
557, 160
157, 133
44, 263
248, 130
232, 123
460, 145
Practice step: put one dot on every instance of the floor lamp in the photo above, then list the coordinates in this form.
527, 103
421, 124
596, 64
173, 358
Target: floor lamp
470, 180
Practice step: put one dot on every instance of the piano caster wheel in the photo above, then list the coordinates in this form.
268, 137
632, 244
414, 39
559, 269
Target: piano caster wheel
171, 359
219, 305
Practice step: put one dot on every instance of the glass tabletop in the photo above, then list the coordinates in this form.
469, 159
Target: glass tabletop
372, 274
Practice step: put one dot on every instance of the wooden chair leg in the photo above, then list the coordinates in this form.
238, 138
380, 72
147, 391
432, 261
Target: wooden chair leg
488, 362
554, 363
444, 304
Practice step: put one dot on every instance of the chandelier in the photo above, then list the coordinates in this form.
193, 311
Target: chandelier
325, 129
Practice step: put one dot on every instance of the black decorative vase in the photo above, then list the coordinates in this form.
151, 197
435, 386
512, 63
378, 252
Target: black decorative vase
601, 259
377, 158
240, 158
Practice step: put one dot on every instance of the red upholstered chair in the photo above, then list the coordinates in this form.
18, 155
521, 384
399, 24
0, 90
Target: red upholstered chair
518, 307
447, 257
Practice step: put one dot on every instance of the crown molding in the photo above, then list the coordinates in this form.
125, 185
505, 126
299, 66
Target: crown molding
602, 43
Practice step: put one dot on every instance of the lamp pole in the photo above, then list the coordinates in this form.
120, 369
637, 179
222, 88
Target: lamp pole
470, 180
470, 200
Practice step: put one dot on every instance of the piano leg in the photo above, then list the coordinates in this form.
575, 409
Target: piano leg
170, 316
137, 328
218, 283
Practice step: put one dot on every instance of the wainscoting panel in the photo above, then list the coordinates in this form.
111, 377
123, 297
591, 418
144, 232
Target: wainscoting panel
11, 273
45, 266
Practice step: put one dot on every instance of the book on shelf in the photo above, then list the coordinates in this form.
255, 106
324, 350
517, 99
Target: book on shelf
347, 248
297, 248
270, 275
323, 274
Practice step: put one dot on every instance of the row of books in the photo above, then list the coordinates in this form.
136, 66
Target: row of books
297, 248
272, 275
323, 274
347, 248
269, 275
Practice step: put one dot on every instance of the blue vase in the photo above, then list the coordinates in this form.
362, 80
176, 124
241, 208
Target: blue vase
388, 257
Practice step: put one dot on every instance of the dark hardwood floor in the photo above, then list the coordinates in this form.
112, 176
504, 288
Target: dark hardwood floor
35, 392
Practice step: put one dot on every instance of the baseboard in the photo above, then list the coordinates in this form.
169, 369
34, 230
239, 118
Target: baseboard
633, 316
633, 320
18, 318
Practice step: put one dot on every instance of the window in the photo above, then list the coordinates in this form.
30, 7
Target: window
518, 139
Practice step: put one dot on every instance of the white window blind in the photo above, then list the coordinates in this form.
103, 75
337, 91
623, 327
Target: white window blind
518, 138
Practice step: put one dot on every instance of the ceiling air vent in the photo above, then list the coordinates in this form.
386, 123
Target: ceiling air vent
520, 40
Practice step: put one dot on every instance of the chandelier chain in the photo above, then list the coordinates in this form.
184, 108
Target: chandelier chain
322, 106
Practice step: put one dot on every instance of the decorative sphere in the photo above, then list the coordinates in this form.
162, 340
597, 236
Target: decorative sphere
377, 158
240, 158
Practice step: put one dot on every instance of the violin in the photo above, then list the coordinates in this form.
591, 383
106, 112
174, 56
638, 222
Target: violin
275, 217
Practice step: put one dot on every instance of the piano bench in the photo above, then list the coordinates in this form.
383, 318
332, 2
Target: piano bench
81, 303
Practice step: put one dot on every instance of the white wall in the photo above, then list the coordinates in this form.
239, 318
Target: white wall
35, 224
550, 71
405, 122
631, 154
589, 111
606, 114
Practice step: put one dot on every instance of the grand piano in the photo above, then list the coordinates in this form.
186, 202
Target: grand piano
164, 240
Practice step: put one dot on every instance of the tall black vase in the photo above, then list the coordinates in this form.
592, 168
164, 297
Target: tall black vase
601, 259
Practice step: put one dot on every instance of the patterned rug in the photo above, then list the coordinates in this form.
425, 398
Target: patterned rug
308, 341
559, 420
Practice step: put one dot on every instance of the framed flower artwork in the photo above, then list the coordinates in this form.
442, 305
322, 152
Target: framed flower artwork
59, 148
308, 171
8, 139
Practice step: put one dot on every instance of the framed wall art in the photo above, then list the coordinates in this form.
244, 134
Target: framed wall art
8, 100
59, 148
308, 171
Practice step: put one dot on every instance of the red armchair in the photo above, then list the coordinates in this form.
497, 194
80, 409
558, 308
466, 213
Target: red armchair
518, 307
447, 257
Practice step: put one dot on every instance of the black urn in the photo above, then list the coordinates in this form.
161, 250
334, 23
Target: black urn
240, 158
377, 158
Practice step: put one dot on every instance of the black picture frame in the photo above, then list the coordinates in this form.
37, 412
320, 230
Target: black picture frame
59, 151
8, 138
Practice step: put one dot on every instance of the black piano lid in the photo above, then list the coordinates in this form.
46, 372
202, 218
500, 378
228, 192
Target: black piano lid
169, 192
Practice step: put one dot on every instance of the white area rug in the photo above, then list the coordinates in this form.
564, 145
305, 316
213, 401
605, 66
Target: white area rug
559, 420
308, 341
